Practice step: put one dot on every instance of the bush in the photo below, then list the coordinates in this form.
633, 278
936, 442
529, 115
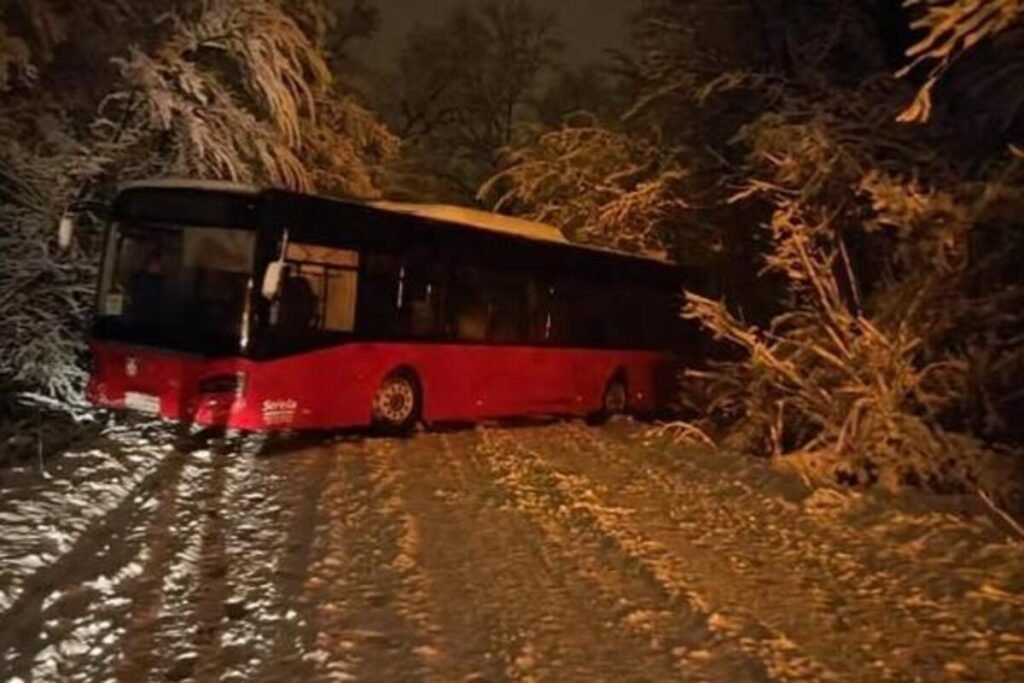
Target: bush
94, 93
45, 296
853, 399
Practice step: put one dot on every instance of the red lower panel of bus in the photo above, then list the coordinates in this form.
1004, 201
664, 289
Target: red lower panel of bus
334, 387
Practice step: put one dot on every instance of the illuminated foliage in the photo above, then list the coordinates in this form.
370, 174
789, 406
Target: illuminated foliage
260, 127
952, 29
878, 334
597, 185
111, 90
42, 294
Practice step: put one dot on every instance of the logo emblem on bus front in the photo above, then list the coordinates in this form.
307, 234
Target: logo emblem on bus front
131, 367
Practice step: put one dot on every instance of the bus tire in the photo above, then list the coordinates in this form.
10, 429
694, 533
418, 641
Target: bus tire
615, 400
396, 403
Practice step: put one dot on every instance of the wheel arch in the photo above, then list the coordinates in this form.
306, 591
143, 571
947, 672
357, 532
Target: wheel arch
617, 372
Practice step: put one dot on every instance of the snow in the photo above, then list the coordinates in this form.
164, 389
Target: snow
509, 225
552, 553
42, 522
475, 218
45, 665
189, 184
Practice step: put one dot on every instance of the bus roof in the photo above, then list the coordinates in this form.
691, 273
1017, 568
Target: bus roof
460, 216
509, 225
478, 219
190, 184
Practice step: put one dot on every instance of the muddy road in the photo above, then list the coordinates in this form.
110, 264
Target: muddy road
557, 552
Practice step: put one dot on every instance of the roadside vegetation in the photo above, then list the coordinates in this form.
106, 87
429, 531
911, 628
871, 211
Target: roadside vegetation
845, 179
95, 93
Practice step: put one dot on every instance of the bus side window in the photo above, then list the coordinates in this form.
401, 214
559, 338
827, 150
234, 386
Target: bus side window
509, 322
320, 289
470, 305
589, 315
539, 298
559, 323
628, 304
341, 300
424, 290
301, 298
401, 296
378, 311
659, 320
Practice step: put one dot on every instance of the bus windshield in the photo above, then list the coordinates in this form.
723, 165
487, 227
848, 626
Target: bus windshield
181, 287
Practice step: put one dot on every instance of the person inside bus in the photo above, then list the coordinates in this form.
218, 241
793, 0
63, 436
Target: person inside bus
147, 288
298, 304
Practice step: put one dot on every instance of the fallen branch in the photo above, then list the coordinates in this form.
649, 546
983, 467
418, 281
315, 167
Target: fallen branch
685, 431
1006, 517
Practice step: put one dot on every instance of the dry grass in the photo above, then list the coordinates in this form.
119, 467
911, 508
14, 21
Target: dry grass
842, 396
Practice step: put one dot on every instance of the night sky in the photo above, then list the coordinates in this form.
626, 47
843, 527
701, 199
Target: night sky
587, 26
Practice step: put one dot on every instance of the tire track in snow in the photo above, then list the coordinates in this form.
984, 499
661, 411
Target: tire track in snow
440, 486
364, 624
511, 606
302, 501
843, 592
653, 628
413, 589
158, 641
269, 501
209, 597
656, 601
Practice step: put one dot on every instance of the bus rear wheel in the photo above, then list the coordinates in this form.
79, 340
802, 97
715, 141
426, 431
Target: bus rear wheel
616, 398
396, 404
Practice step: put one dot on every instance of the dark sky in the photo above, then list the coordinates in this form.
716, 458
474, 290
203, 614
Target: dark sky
587, 26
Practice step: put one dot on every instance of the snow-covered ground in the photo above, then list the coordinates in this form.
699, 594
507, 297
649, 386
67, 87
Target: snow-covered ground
541, 553
46, 507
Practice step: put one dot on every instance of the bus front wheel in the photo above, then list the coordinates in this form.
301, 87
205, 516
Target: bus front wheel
396, 403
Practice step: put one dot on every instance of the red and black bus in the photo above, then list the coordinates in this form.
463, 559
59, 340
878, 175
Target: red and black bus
263, 309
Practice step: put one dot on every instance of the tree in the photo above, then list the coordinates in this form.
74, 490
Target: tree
872, 321
98, 92
597, 88
952, 30
263, 126
464, 88
597, 185
880, 364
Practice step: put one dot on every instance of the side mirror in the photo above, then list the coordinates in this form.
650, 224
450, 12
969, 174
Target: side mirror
272, 280
65, 231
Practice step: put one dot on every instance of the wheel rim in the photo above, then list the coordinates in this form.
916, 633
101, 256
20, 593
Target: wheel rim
615, 399
395, 401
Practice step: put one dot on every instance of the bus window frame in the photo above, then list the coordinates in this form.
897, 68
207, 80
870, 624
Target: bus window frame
341, 224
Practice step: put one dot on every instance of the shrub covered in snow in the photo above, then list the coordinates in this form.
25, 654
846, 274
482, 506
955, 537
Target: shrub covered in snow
100, 92
597, 184
890, 350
